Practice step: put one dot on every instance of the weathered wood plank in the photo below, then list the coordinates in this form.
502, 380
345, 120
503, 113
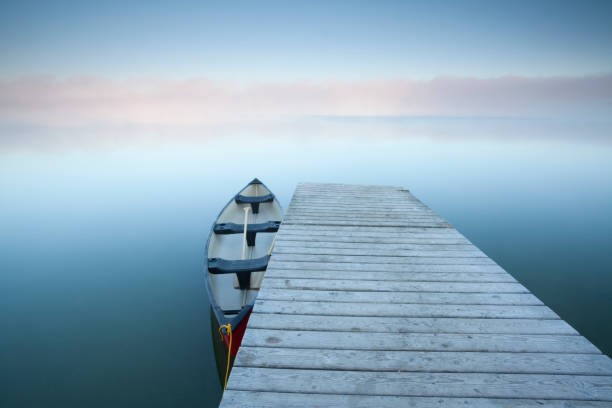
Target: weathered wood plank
374, 223
368, 222
474, 277
424, 361
476, 342
329, 192
386, 286
356, 198
363, 207
363, 201
299, 238
345, 191
377, 206
311, 211
347, 194
275, 263
341, 216
332, 235
314, 185
408, 324
353, 259
404, 310
373, 231
376, 248
331, 187
322, 226
376, 209
359, 202
399, 297
374, 252
424, 384
377, 245
259, 399
343, 194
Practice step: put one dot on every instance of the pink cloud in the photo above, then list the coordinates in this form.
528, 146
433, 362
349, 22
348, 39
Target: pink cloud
48, 101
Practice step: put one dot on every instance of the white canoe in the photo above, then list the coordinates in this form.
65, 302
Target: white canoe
237, 259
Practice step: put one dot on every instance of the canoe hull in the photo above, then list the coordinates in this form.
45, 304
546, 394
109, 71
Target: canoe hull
237, 335
236, 263
221, 344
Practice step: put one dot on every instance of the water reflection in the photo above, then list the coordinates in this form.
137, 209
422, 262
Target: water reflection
101, 245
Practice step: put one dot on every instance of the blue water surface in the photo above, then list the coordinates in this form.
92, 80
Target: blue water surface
102, 232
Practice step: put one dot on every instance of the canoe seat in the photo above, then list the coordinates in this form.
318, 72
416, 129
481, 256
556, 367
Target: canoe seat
241, 267
252, 229
254, 200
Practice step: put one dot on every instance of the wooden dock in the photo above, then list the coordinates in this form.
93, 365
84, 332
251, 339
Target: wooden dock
373, 300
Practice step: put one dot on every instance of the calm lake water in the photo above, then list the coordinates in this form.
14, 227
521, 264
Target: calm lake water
102, 231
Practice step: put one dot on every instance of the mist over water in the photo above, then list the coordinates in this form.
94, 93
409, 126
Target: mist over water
102, 233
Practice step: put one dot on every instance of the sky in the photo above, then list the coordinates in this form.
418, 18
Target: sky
153, 62
305, 40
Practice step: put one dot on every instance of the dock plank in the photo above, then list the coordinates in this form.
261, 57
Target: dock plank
409, 325
393, 286
263, 399
437, 259
377, 245
464, 385
332, 296
382, 230
473, 277
407, 268
393, 251
385, 341
426, 361
404, 310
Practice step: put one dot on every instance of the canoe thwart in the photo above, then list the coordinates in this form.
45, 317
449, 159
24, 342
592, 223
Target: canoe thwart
241, 267
254, 200
220, 265
252, 229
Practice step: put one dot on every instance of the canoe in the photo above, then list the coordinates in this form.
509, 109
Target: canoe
238, 257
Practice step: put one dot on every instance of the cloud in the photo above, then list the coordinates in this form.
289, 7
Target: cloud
49, 101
